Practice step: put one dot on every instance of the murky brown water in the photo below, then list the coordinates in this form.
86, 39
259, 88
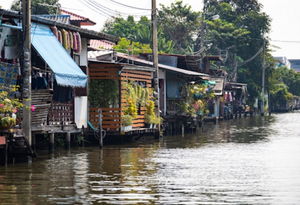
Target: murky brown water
243, 161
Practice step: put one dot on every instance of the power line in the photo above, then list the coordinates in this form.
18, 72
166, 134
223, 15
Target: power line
130, 6
286, 41
105, 11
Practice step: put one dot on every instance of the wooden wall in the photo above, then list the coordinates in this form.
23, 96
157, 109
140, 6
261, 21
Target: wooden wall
133, 75
111, 120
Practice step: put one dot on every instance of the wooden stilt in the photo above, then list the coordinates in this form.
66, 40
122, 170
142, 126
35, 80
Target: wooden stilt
68, 140
51, 143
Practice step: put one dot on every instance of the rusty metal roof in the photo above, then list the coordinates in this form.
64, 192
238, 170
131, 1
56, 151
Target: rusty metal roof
61, 18
85, 33
101, 44
75, 19
187, 73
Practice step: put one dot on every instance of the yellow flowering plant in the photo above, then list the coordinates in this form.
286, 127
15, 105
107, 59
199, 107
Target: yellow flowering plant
9, 107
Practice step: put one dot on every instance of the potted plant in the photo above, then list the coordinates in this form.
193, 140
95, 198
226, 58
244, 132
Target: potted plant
157, 120
150, 114
9, 106
126, 122
183, 107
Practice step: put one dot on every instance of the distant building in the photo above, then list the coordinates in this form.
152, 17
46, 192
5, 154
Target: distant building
295, 64
282, 61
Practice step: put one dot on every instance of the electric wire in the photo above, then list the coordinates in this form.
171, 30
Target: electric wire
133, 7
112, 10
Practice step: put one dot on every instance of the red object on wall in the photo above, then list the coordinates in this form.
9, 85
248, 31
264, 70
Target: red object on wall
2, 140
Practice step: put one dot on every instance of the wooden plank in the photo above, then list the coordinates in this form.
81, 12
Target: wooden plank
132, 75
138, 125
106, 112
111, 126
137, 72
105, 118
105, 78
92, 70
105, 109
103, 65
103, 74
111, 122
138, 121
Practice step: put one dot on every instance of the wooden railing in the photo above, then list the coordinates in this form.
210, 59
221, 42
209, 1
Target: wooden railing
111, 119
61, 113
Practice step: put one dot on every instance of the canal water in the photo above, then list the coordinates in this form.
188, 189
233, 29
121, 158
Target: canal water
253, 160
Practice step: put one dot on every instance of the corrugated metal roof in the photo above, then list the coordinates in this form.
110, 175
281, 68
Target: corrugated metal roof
126, 66
61, 18
101, 44
84, 21
219, 85
164, 67
85, 33
94, 54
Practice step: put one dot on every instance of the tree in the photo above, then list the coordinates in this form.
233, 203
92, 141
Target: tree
36, 7
126, 46
242, 26
137, 32
179, 24
240, 6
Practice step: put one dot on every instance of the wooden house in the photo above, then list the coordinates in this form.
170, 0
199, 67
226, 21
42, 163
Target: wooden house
59, 73
111, 77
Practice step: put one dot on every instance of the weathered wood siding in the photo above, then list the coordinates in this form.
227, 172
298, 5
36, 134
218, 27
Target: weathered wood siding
111, 120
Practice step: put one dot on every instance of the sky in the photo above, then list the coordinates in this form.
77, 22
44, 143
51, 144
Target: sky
285, 15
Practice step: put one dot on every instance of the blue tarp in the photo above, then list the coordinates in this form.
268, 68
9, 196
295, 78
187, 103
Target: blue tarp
67, 72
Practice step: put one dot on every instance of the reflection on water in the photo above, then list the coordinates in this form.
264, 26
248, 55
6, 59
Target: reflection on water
243, 161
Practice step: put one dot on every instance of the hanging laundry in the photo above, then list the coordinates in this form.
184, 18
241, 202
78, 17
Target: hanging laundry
59, 36
54, 31
225, 97
38, 83
3, 33
78, 42
230, 97
65, 39
12, 44
8, 75
71, 39
74, 42
62, 94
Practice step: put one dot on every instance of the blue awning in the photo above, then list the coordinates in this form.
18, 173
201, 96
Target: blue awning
67, 72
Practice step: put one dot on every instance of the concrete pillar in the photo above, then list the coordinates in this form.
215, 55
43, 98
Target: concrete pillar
68, 140
51, 143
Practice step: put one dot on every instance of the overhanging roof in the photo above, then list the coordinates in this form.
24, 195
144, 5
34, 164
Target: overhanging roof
125, 66
85, 33
219, 85
77, 18
67, 72
187, 73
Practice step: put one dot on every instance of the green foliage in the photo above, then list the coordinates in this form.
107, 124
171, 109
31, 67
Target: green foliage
241, 27
9, 106
126, 46
36, 7
137, 32
179, 24
127, 120
198, 97
103, 93
283, 83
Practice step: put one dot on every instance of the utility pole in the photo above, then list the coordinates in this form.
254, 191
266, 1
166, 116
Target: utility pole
202, 31
263, 81
155, 59
235, 69
26, 71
